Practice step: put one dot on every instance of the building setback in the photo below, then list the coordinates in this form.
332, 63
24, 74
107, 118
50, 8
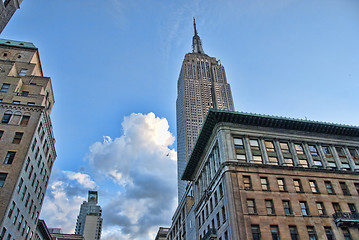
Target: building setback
264, 177
89, 221
202, 85
27, 150
7, 10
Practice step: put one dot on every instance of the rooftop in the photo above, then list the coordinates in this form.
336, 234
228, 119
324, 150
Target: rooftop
250, 119
13, 43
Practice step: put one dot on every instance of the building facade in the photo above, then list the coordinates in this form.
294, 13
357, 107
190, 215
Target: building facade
202, 85
89, 221
7, 10
27, 150
262, 177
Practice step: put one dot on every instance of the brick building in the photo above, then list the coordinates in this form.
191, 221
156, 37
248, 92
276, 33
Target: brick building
263, 177
27, 150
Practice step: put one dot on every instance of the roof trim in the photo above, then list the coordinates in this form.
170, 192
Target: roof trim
216, 116
14, 43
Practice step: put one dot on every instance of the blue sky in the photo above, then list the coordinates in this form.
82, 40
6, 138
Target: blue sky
113, 62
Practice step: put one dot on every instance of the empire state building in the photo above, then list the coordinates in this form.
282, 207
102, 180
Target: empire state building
202, 85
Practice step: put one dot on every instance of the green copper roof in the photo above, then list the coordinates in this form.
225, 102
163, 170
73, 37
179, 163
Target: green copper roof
14, 43
218, 116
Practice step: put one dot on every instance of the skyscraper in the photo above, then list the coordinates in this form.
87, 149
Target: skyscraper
202, 84
89, 221
27, 150
7, 10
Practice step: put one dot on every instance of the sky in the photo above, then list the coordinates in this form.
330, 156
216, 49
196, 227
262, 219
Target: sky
114, 66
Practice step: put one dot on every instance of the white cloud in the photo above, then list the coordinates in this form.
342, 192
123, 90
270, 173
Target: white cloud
65, 194
142, 163
81, 178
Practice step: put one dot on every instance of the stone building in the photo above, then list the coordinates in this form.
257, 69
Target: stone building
262, 177
202, 84
162, 233
89, 221
27, 150
7, 10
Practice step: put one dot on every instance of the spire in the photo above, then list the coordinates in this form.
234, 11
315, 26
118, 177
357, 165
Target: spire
194, 25
196, 41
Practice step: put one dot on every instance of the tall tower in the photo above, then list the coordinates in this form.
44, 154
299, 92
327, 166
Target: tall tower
7, 10
89, 221
27, 150
202, 84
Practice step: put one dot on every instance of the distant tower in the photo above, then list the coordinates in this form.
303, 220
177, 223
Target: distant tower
202, 84
89, 221
7, 9
27, 150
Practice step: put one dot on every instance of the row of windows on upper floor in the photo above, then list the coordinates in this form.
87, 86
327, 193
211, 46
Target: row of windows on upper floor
16, 118
270, 210
310, 234
287, 153
313, 185
7, 54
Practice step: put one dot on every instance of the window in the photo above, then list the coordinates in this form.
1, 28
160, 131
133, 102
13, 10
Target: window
313, 186
311, 233
329, 233
20, 185
23, 193
273, 160
336, 207
16, 102
270, 207
23, 72
20, 222
269, 146
329, 156
275, 232
2, 234
17, 137
343, 158
257, 155
33, 144
329, 187
24, 93
1, 133
5, 87
16, 216
288, 162
25, 120
354, 155
9, 157
2, 179
224, 214
247, 182
281, 184
265, 184
218, 220
31, 104
287, 207
313, 150
6, 118
352, 207
298, 185
304, 208
240, 151
344, 188
256, 232
251, 205
11, 209
220, 189
284, 147
346, 234
321, 209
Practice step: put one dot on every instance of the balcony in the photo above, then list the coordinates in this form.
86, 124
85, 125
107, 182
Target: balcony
210, 235
346, 219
